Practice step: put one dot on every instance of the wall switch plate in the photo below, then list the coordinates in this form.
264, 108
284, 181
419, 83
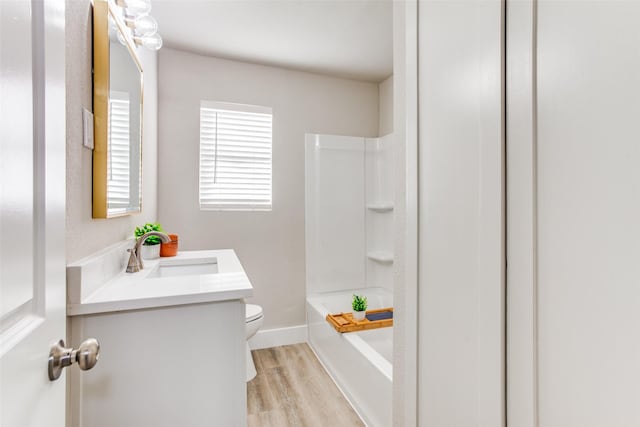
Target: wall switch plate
87, 128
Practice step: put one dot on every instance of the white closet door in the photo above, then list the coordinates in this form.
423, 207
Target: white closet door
573, 144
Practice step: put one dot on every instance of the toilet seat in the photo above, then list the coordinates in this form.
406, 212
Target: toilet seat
252, 312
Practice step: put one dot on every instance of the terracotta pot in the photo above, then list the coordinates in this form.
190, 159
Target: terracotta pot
171, 248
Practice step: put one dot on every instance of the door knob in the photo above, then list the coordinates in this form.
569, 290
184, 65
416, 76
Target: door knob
60, 357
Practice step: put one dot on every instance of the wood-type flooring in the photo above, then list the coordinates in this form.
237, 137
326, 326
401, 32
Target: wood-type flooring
293, 389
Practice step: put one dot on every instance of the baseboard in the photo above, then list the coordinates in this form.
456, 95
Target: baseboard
280, 336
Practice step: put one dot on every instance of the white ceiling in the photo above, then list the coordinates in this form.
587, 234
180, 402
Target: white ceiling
346, 38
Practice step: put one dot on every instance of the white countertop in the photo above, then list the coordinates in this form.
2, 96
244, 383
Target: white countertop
132, 291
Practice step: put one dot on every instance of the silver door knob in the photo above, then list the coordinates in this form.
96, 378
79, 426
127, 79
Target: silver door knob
60, 357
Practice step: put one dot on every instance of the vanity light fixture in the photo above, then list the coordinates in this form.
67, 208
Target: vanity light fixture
143, 27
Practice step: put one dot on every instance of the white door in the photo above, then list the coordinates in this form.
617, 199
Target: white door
573, 213
32, 206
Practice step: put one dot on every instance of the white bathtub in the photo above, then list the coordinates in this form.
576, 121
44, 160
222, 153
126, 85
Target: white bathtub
359, 362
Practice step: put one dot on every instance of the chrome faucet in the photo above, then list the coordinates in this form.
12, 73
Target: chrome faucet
135, 259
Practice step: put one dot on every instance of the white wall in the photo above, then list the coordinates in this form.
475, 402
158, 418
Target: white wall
379, 185
335, 213
270, 245
461, 253
385, 91
85, 235
348, 235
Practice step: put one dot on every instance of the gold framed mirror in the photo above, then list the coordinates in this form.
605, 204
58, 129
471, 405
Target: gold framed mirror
117, 116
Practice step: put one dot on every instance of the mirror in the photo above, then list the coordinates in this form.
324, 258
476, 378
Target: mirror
117, 109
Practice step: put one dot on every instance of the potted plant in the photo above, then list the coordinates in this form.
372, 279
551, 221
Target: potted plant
359, 305
151, 247
170, 248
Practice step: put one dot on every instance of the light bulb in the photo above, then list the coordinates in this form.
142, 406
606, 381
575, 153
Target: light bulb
152, 42
145, 26
137, 8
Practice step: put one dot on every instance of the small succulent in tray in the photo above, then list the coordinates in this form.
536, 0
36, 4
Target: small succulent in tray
359, 303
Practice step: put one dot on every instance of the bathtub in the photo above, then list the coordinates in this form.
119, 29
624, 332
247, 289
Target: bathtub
359, 362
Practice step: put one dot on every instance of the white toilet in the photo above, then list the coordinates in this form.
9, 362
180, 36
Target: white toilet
253, 322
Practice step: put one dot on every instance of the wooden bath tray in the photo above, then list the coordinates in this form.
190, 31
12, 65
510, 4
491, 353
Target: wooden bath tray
343, 322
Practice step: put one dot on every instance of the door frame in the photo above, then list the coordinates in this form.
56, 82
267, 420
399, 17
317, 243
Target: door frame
405, 132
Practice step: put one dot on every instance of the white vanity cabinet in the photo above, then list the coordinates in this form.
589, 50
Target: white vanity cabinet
172, 348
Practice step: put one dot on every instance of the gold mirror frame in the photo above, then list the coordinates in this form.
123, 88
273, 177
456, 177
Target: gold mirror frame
102, 11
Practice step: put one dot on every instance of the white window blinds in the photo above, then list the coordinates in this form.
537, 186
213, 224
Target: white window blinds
235, 156
119, 151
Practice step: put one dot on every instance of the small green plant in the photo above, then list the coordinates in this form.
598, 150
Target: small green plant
151, 240
359, 303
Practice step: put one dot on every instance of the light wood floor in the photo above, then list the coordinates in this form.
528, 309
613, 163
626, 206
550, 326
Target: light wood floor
292, 389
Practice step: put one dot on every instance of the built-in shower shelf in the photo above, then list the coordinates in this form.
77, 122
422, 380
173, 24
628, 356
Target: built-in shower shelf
381, 257
380, 206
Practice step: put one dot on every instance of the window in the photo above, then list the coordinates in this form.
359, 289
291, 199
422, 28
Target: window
118, 156
235, 157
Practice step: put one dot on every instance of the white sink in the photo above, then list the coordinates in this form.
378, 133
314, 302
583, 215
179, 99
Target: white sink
99, 283
184, 267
